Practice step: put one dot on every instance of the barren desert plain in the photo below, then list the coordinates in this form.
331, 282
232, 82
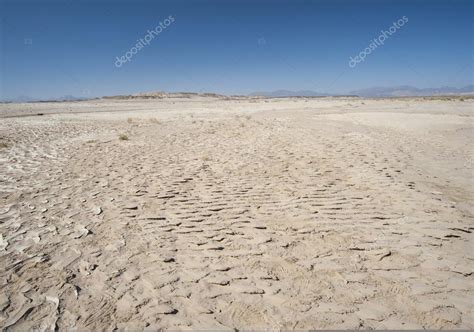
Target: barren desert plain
201, 212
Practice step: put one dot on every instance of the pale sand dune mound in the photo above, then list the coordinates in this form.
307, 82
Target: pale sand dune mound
277, 214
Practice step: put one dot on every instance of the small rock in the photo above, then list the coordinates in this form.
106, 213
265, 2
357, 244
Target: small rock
76, 290
98, 210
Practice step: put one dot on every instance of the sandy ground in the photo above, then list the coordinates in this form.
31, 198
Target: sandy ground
221, 214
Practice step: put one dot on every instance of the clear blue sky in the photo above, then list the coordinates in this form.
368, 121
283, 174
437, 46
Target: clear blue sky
56, 48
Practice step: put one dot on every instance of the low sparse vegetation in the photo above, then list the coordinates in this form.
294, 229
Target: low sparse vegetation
130, 120
123, 137
3, 145
155, 121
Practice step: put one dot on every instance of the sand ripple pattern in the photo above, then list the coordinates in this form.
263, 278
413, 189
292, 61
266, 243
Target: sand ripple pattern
259, 221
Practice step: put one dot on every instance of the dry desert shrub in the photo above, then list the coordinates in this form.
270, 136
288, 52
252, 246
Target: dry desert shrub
155, 121
130, 120
3, 145
123, 137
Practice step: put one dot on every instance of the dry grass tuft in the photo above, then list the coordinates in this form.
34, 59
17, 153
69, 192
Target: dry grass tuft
123, 137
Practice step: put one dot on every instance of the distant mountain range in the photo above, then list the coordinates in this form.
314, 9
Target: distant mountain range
377, 91
27, 99
407, 91
289, 93
397, 91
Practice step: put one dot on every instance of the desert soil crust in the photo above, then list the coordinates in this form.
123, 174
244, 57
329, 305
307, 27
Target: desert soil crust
215, 213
